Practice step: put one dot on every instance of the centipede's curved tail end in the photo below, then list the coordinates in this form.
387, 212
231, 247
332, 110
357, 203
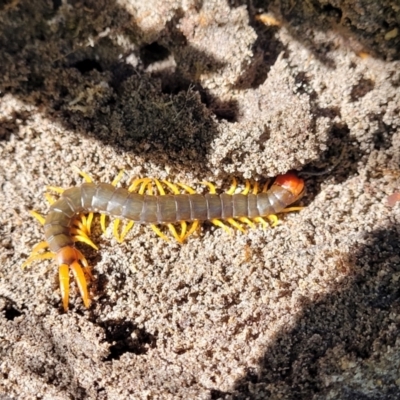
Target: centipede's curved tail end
70, 258
291, 182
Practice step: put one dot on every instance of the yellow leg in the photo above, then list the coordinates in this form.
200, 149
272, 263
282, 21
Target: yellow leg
174, 233
50, 199
103, 222
219, 223
159, 187
210, 186
290, 209
84, 239
174, 188
158, 232
137, 182
143, 186
40, 246
192, 229
183, 230
247, 221
56, 189
84, 175
36, 215
81, 282
150, 189
36, 257
246, 190
265, 187
89, 222
273, 219
187, 188
118, 178
126, 229
236, 225
115, 230
63, 273
255, 188
233, 187
262, 221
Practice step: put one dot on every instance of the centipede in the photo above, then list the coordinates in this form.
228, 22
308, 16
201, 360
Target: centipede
151, 202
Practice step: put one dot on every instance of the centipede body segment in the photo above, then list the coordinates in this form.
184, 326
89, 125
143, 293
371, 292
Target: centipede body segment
140, 204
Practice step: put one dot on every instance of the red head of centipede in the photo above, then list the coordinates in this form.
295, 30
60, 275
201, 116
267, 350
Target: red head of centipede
292, 183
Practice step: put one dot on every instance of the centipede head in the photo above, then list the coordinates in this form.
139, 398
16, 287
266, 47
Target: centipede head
292, 183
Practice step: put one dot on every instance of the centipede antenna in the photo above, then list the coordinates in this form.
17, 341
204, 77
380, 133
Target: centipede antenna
327, 170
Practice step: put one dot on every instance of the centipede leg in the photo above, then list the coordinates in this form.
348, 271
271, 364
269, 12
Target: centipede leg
290, 209
262, 221
40, 246
236, 225
174, 188
192, 229
63, 273
247, 221
233, 187
220, 224
84, 175
246, 190
158, 232
210, 186
126, 229
81, 282
39, 217
36, 257
183, 231
273, 219
174, 233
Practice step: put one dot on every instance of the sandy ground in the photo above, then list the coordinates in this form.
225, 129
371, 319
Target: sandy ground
191, 91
